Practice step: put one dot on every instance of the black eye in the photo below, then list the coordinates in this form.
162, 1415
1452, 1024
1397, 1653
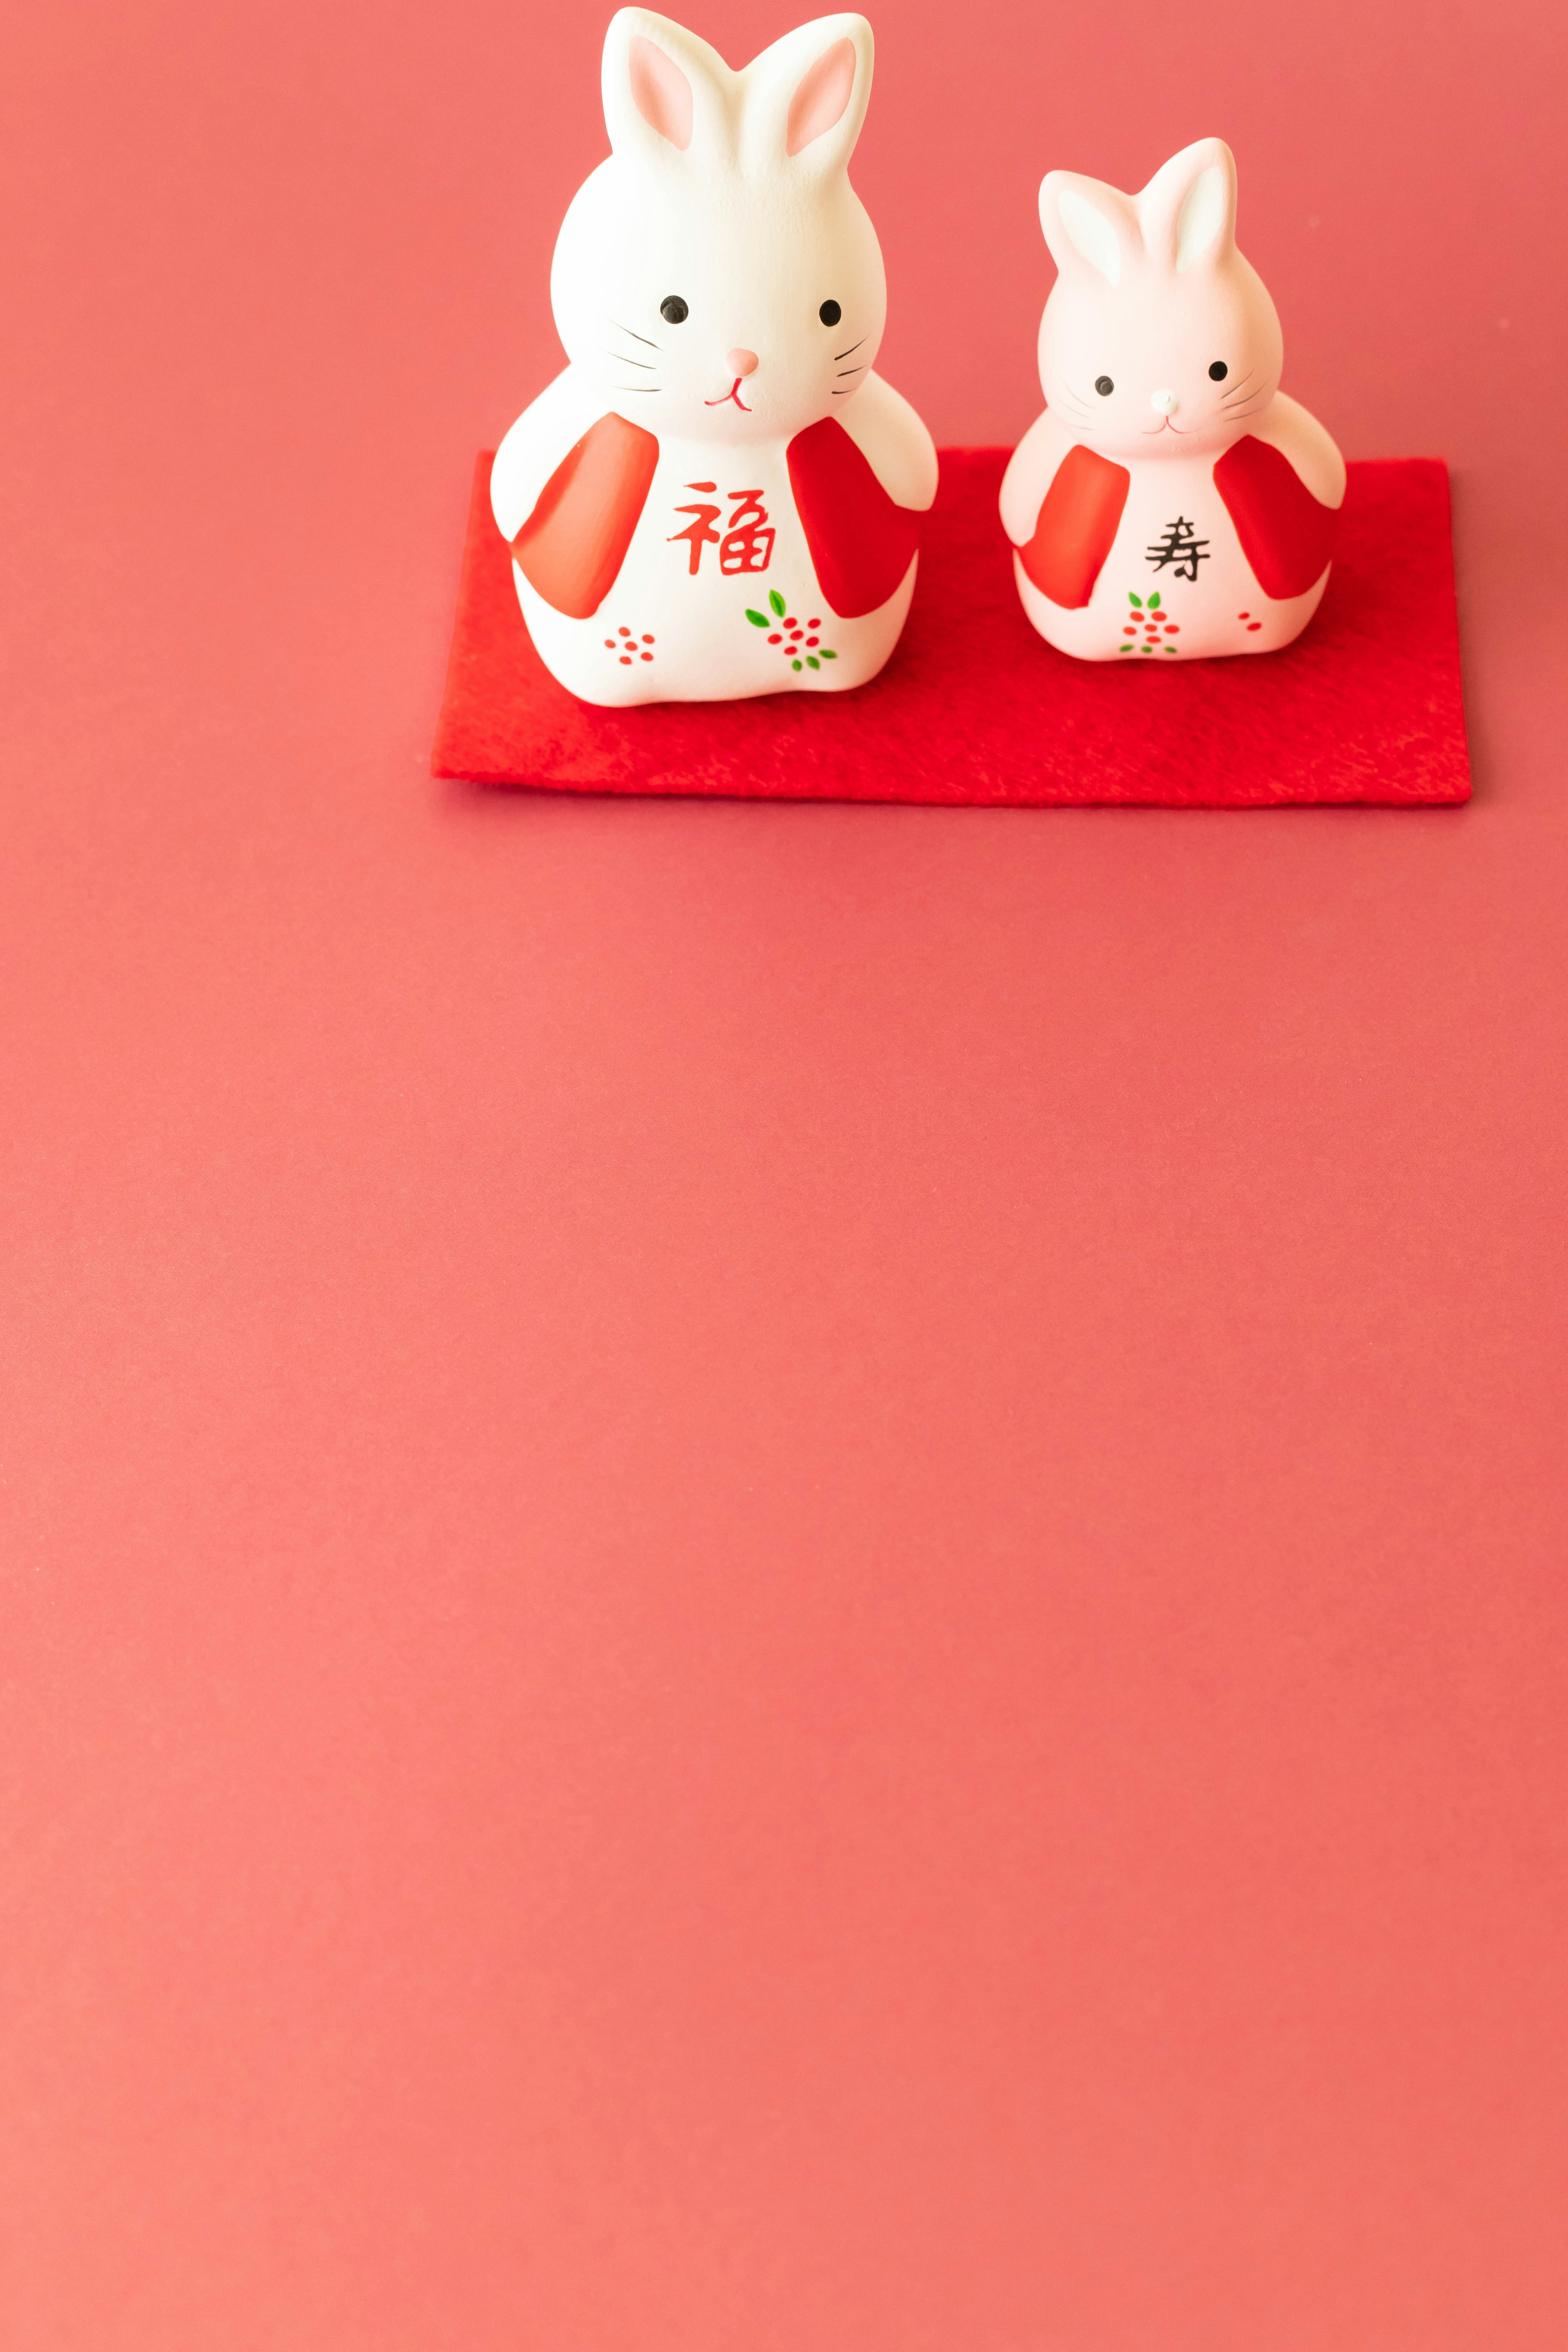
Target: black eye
1220, 371
673, 308
1104, 386
830, 314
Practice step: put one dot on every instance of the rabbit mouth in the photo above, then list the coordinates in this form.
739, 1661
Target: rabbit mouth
733, 394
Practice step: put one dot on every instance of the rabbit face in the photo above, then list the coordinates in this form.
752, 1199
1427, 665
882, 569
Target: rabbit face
718, 275
1158, 340
739, 324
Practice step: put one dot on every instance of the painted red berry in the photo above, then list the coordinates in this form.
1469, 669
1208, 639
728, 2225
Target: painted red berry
1126, 633
775, 639
1241, 616
648, 657
790, 621
811, 641
1253, 625
624, 632
647, 639
817, 623
625, 661
1172, 628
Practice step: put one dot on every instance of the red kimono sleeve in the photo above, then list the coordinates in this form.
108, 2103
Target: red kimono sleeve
1075, 527
1286, 535
861, 541
576, 540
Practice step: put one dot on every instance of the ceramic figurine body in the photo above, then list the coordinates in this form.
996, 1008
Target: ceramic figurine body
718, 498
1171, 502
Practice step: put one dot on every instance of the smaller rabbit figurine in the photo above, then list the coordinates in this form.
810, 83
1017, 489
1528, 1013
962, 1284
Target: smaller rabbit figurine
1171, 502
719, 496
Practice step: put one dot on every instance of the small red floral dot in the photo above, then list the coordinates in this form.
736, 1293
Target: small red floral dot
1253, 625
775, 639
1126, 633
817, 623
611, 642
1172, 628
811, 641
625, 661
648, 657
624, 632
648, 640
790, 621
1241, 616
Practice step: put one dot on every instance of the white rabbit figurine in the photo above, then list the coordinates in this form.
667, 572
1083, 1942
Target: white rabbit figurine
1171, 500
718, 498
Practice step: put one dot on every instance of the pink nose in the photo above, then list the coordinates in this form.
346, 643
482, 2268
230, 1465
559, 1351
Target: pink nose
740, 363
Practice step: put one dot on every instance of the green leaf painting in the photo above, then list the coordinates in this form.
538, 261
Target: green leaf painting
1148, 627
796, 640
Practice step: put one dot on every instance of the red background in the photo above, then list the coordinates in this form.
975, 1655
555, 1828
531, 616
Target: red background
774, 1576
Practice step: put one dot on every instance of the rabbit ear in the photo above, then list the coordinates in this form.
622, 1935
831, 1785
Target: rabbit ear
1188, 209
664, 91
806, 96
1089, 226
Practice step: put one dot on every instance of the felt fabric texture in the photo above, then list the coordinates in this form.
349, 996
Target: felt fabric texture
973, 707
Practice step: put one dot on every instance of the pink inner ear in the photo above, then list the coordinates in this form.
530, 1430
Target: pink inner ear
661, 91
823, 95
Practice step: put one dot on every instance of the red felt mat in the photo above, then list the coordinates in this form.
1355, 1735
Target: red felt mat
973, 707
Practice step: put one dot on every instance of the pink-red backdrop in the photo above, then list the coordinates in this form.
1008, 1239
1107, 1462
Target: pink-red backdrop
772, 1577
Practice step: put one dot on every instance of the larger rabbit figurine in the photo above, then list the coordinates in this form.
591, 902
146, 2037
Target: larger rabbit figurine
717, 497
1171, 502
